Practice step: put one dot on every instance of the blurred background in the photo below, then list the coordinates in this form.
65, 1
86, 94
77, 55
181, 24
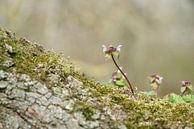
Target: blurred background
157, 35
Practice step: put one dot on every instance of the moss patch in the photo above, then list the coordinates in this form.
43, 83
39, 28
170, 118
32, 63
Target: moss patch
31, 59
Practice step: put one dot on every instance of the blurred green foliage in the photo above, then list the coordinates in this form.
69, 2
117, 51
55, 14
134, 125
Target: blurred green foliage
174, 98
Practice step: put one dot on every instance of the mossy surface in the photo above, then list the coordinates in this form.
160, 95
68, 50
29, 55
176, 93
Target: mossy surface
115, 104
31, 58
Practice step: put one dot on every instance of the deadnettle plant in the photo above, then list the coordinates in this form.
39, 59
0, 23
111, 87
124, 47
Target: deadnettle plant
118, 79
119, 76
155, 81
186, 87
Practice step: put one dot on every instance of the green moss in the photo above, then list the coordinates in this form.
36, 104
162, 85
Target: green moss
86, 109
2, 117
31, 59
88, 113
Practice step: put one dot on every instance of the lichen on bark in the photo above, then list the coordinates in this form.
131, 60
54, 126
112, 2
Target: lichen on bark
41, 89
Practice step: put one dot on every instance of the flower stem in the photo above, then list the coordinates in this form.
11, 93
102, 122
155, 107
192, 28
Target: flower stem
130, 86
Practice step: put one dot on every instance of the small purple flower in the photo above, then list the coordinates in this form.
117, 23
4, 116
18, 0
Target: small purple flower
186, 87
185, 83
110, 49
156, 78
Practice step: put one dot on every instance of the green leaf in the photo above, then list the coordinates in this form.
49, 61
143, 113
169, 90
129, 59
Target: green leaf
150, 93
188, 98
116, 54
119, 76
151, 79
174, 98
187, 90
190, 88
120, 83
108, 56
183, 89
154, 85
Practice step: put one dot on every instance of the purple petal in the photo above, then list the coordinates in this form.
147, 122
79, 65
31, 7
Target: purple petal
119, 48
104, 48
185, 83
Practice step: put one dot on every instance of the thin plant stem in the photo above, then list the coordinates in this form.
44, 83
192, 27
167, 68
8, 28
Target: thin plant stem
130, 86
183, 93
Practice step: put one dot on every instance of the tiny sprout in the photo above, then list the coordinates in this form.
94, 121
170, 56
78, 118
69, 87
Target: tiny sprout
119, 76
155, 81
186, 87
